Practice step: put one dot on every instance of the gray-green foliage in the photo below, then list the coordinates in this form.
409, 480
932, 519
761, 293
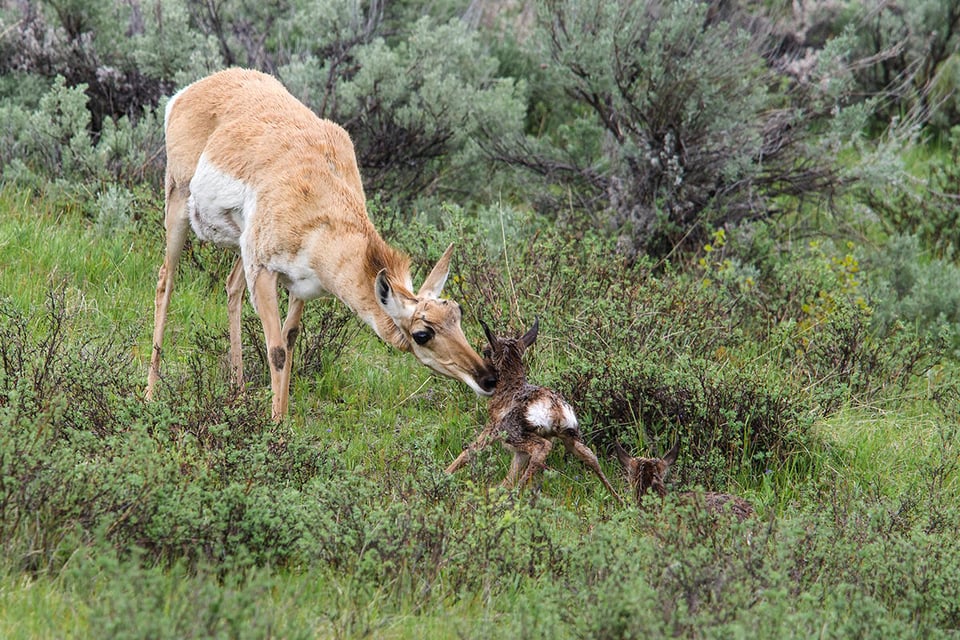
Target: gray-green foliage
676, 99
670, 120
416, 107
916, 65
51, 148
164, 44
51, 141
925, 207
918, 291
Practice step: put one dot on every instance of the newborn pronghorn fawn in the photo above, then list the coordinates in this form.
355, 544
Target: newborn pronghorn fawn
651, 473
526, 417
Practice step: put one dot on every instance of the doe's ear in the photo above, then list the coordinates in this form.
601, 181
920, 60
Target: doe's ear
432, 286
396, 303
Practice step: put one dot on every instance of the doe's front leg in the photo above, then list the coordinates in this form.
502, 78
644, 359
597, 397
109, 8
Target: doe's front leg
268, 308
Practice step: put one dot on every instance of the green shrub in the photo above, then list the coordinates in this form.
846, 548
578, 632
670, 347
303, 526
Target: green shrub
669, 123
928, 208
414, 109
53, 144
917, 294
130, 600
915, 48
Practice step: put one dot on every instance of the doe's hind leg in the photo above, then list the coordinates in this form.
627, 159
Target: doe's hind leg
176, 223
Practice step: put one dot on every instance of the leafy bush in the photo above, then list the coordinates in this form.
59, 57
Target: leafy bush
916, 293
670, 124
736, 354
177, 603
678, 574
915, 47
88, 44
53, 143
926, 208
414, 108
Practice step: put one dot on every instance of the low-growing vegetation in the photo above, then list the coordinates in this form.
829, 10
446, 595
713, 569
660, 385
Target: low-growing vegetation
758, 260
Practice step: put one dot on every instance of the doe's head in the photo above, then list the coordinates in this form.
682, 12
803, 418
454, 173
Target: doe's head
429, 327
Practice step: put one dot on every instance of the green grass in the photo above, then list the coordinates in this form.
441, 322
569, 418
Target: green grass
39, 608
408, 552
893, 452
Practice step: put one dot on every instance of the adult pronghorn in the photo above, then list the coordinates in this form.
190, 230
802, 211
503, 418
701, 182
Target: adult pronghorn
251, 168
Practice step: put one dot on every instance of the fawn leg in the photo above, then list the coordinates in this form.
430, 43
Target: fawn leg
520, 461
486, 436
538, 449
583, 452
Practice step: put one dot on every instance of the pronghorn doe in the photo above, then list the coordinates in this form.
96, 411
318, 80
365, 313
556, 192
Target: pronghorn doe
252, 169
644, 474
526, 417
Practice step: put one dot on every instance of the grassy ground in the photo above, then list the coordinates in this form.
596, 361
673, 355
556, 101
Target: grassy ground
854, 543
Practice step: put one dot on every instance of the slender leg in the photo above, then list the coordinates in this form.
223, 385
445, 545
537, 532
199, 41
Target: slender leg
176, 222
236, 283
486, 436
289, 333
589, 458
520, 461
265, 298
538, 448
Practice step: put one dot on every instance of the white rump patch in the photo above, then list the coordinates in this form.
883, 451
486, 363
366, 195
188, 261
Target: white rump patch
550, 416
219, 205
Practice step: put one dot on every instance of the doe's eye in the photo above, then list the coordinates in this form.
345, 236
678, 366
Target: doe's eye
422, 337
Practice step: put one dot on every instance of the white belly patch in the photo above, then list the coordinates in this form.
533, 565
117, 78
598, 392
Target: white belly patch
219, 205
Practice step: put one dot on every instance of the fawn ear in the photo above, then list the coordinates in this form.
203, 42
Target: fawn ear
531, 336
671, 455
492, 339
622, 455
432, 286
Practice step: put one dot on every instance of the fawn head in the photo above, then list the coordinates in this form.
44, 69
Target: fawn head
644, 474
506, 354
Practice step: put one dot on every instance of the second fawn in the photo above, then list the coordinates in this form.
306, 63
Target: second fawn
644, 474
526, 417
